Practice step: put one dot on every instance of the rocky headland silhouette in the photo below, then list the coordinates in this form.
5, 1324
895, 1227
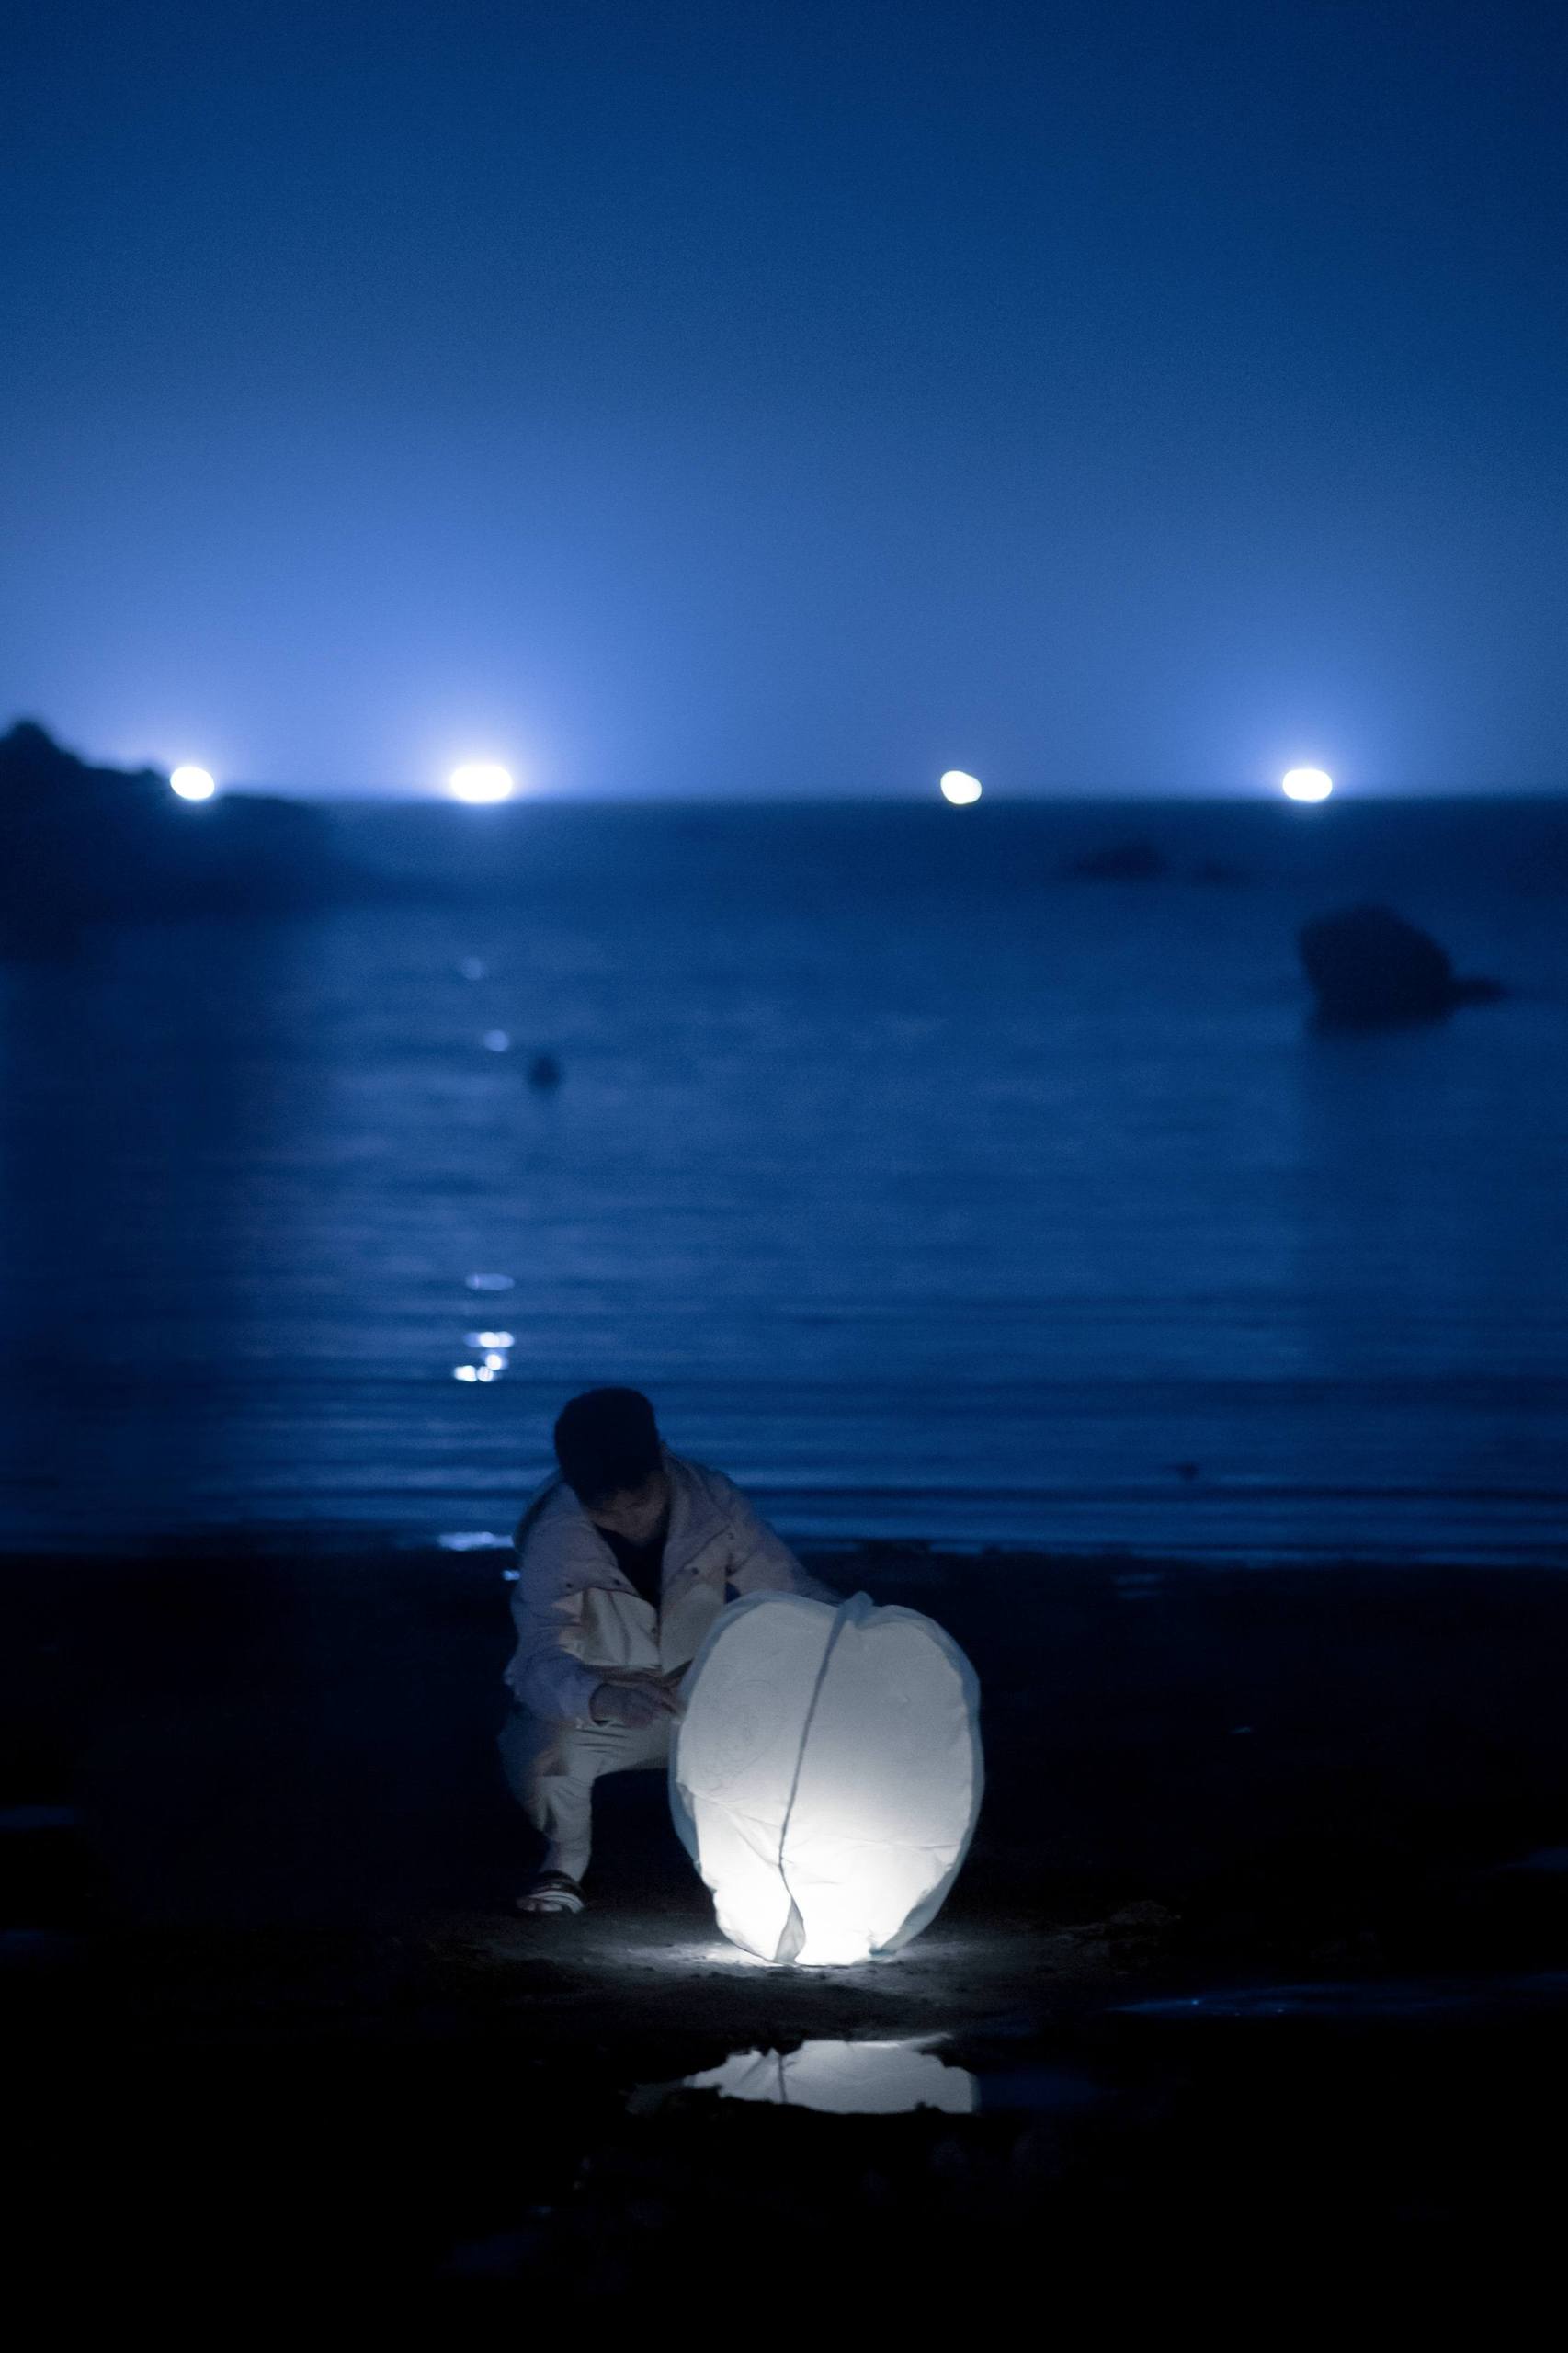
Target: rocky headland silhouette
84, 844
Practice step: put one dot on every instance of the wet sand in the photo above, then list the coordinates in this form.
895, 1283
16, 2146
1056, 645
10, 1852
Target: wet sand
1255, 1953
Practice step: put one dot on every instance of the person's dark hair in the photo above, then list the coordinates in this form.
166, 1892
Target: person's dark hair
606, 1441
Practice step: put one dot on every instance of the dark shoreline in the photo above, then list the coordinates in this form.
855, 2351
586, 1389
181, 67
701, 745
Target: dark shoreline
268, 1869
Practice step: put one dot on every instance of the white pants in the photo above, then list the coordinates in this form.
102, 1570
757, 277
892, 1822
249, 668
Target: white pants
551, 1769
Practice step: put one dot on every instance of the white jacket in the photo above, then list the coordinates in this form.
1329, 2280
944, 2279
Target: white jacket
578, 1615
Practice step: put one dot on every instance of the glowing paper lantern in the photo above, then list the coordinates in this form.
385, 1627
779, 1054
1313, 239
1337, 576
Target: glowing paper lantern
192, 784
1306, 784
958, 788
826, 1774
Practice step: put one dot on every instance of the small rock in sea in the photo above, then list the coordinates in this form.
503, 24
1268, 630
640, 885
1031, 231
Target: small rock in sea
1122, 862
1188, 1470
545, 1072
1369, 967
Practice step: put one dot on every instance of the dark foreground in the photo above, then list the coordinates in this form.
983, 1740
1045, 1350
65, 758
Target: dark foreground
1257, 1975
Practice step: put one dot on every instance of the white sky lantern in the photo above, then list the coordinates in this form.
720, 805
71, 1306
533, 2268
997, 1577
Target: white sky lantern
192, 784
480, 780
958, 788
1306, 784
827, 1774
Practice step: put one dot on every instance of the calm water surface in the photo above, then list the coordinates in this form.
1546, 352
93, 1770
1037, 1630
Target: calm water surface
928, 1191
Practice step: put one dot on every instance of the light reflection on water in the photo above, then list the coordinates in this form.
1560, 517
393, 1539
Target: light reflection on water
839, 2079
883, 2078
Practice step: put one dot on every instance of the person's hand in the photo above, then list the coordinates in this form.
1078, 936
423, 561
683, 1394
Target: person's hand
634, 1705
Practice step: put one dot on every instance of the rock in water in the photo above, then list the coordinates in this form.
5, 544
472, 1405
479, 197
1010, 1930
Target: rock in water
545, 1072
1369, 967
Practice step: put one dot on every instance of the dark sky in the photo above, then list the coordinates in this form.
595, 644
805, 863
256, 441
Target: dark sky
789, 398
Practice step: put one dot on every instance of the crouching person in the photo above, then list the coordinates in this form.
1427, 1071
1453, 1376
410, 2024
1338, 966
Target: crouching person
624, 1560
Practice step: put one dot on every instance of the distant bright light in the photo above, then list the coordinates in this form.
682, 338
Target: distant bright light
192, 784
480, 780
487, 1339
496, 1042
1306, 784
960, 789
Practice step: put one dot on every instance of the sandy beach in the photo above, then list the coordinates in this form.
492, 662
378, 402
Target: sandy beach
1253, 1845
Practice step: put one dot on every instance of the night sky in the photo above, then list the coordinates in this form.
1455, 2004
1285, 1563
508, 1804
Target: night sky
789, 398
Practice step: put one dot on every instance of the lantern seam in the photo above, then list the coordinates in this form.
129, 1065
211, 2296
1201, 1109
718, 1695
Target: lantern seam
839, 1618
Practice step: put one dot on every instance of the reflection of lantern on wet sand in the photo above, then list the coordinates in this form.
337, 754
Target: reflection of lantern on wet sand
827, 1774
840, 2079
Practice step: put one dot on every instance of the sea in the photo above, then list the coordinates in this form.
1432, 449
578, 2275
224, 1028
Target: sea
935, 1191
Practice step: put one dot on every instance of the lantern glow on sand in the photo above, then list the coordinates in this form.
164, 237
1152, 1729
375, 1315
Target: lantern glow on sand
827, 1774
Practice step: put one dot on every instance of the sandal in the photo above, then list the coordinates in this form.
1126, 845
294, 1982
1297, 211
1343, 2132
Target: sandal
551, 1892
